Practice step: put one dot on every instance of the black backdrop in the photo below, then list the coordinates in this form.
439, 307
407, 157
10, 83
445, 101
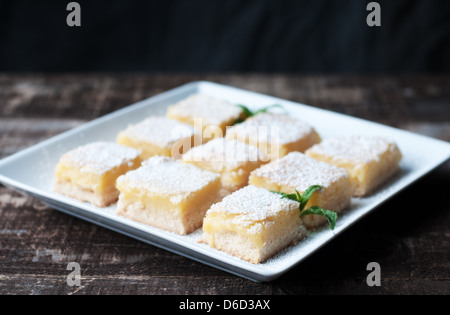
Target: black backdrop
302, 36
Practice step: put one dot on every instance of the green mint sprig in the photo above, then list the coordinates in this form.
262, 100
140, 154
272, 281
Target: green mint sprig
331, 216
250, 113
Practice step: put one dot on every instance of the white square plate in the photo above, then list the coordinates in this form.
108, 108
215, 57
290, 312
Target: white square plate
31, 171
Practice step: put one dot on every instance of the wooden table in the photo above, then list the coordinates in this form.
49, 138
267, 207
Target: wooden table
409, 236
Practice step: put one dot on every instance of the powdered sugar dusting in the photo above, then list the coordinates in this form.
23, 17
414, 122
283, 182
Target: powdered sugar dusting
99, 157
358, 149
165, 176
251, 204
272, 127
300, 171
160, 131
213, 111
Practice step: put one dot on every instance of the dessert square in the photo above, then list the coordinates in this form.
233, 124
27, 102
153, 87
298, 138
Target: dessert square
211, 115
159, 136
167, 194
275, 134
89, 173
232, 159
369, 161
253, 224
297, 171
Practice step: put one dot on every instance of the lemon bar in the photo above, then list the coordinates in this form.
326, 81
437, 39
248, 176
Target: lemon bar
297, 171
253, 224
159, 136
89, 173
211, 115
232, 159
167, 194
275, 134
369, 161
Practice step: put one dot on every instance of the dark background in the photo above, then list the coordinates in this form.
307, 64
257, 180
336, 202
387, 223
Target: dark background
299, 36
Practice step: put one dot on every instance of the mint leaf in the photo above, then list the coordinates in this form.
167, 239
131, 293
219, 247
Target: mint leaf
238, 121
287, 196
265, 109
250, 113
246, 111
331, 216
307, 195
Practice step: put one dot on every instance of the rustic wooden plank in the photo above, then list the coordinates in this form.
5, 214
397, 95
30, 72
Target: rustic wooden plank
19, 133
438, 130
87, 96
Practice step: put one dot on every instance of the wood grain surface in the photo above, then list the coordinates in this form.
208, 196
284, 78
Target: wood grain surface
409, 236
